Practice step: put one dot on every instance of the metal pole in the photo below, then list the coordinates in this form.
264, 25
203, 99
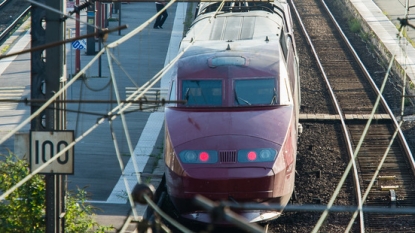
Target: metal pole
77, 34
100, 25
47, 76
119, 18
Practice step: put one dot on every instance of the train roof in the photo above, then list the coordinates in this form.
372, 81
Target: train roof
247, 29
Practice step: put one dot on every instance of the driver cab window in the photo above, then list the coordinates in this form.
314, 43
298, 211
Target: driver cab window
202, 92
254, 92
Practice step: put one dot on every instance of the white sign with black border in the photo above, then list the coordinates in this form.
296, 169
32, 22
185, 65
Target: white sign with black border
46, 144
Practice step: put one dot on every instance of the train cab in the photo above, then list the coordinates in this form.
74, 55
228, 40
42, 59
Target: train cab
235, 135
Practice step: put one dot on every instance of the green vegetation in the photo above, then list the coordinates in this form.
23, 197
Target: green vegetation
354, 25
79, 215
4, 50
365, 36
407, 102
24, 209
157, 156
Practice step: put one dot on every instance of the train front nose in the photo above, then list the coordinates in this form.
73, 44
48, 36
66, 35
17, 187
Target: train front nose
227, 183
236, 184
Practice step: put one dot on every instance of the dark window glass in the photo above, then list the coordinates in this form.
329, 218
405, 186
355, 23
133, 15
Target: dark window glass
173, 91
202, 92
254, 92
283, 44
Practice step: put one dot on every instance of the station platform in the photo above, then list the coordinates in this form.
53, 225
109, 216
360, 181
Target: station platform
144, 55
135, 62
380, 19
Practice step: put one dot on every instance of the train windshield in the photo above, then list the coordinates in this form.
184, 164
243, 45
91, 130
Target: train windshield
202, 92
254, 92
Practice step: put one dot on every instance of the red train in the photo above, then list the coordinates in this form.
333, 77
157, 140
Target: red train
236, 136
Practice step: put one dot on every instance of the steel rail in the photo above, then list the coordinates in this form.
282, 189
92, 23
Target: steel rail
3, 3
345, 131
376, 89
10, 28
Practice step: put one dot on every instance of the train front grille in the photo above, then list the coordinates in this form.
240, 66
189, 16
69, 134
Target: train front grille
228, 156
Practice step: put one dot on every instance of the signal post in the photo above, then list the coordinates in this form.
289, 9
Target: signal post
48, 75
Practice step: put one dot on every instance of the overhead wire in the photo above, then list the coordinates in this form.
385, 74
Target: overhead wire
127, 135
165, 216
63, 14
85, 81
376, 173
54, 97
372, 181
80, 73
317, 208
121, 107
122, 68
50, 101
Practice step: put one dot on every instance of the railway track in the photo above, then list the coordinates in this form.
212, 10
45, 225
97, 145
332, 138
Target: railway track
11, 13
354, 94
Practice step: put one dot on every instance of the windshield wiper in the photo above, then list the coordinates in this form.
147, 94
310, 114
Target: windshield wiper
274, 98
236, 97
186, 96
239, 98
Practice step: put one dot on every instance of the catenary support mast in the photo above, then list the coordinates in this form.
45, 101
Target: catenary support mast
48, 75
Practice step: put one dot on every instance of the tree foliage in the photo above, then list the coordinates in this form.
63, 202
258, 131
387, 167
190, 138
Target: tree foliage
24, 209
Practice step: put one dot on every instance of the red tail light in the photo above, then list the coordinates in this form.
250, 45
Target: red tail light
204, 156
252, 155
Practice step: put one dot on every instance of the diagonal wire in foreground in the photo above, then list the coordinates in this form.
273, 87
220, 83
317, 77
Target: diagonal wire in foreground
57, 94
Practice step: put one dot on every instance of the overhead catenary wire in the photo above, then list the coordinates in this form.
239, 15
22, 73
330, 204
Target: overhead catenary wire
318, 208
165, 216
79, 74
48, 102
124, 123
122, 68
314, 209
118, 154
372, 181
65, 16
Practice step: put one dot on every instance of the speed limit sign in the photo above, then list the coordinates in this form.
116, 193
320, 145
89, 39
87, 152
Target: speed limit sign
46, 144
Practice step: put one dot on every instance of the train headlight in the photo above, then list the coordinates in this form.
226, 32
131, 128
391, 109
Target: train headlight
251, 155
190, 156
199, 156
265, 154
